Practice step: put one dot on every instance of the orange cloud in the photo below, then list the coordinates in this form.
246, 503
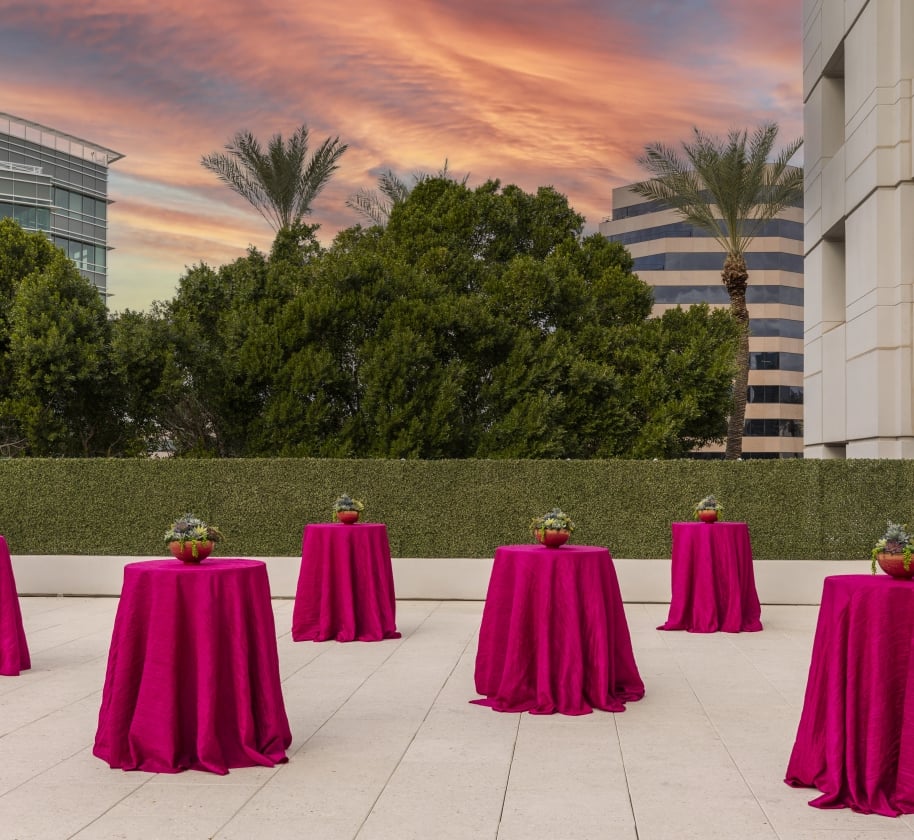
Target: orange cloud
532, 94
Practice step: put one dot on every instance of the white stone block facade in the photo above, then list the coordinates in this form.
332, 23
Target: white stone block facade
858, 65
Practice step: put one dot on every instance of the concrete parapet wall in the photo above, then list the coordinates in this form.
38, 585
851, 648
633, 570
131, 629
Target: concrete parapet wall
460, 579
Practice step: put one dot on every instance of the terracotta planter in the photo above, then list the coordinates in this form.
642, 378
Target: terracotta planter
185, 551
552, 538
347, 517
707, 516
893, 564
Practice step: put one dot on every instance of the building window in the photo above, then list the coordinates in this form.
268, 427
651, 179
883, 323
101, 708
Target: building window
792, 394
781, 327
706, 261
783, 228
776, 361
773, 428
788, 295
717, 293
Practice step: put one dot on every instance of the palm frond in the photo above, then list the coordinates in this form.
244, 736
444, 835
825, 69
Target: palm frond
368, 203
280, 183
324, 162
727, 187
394, 188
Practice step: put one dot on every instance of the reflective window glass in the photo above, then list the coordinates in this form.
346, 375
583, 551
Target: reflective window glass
782, 327
690, 294
707, 261
25, 189
776, 361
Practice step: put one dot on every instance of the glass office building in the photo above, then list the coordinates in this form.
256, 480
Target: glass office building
683, 265
58, 184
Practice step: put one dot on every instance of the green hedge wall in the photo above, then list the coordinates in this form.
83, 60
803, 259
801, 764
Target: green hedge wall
796, 509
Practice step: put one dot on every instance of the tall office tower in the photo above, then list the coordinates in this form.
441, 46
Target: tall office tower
683, 265
858, 86
58, 184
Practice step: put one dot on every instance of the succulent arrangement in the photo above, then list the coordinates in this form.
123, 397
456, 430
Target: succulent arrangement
346, 509
191, 529
554, 520
346, 502
708, 503
895, 540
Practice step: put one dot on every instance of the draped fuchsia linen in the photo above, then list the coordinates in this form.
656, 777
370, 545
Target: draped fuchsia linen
346, 585
14, 651
855, 739
193, 672
554, 636
713, 583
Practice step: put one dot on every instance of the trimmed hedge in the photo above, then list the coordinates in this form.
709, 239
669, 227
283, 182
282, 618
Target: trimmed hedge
796, 509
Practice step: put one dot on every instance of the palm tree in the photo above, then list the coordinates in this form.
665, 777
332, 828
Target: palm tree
728, 188
376, 205
281, 182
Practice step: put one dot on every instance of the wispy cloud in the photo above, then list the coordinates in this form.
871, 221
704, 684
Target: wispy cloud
531, 93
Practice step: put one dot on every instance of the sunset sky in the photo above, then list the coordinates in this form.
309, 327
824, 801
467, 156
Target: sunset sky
563, 93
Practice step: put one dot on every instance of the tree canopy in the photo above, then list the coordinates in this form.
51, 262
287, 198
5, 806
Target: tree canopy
476, 323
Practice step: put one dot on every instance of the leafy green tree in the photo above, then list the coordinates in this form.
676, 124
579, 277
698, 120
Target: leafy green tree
145, 377
677, 397
728, 188
476, 323
225, 327
62, 383
281, 182
480, 323
21, 254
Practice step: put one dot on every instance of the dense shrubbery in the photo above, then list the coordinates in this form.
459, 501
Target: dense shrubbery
450, 508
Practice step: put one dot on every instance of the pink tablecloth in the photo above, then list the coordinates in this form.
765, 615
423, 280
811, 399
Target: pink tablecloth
193, 672
855, 740
346, 585
713, 583
554, 636
14, 652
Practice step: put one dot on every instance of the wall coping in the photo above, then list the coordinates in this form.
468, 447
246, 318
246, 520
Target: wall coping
440, 579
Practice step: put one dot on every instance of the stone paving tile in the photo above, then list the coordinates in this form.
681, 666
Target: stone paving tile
387, 745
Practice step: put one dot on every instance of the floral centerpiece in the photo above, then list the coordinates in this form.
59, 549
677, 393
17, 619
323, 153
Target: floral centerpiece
552, 529
346, 509
708, 509
191, 539
893, 551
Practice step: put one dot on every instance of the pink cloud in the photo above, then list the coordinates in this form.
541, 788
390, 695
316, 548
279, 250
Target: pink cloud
528, 93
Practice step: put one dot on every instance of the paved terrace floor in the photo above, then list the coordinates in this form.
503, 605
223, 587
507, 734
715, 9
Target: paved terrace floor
387, 747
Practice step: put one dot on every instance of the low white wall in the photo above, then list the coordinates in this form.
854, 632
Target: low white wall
641, 581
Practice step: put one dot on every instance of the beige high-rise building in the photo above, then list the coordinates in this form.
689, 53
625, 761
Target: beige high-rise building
683, 265
858, 66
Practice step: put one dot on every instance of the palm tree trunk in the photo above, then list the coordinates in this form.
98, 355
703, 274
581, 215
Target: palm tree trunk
735, 277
